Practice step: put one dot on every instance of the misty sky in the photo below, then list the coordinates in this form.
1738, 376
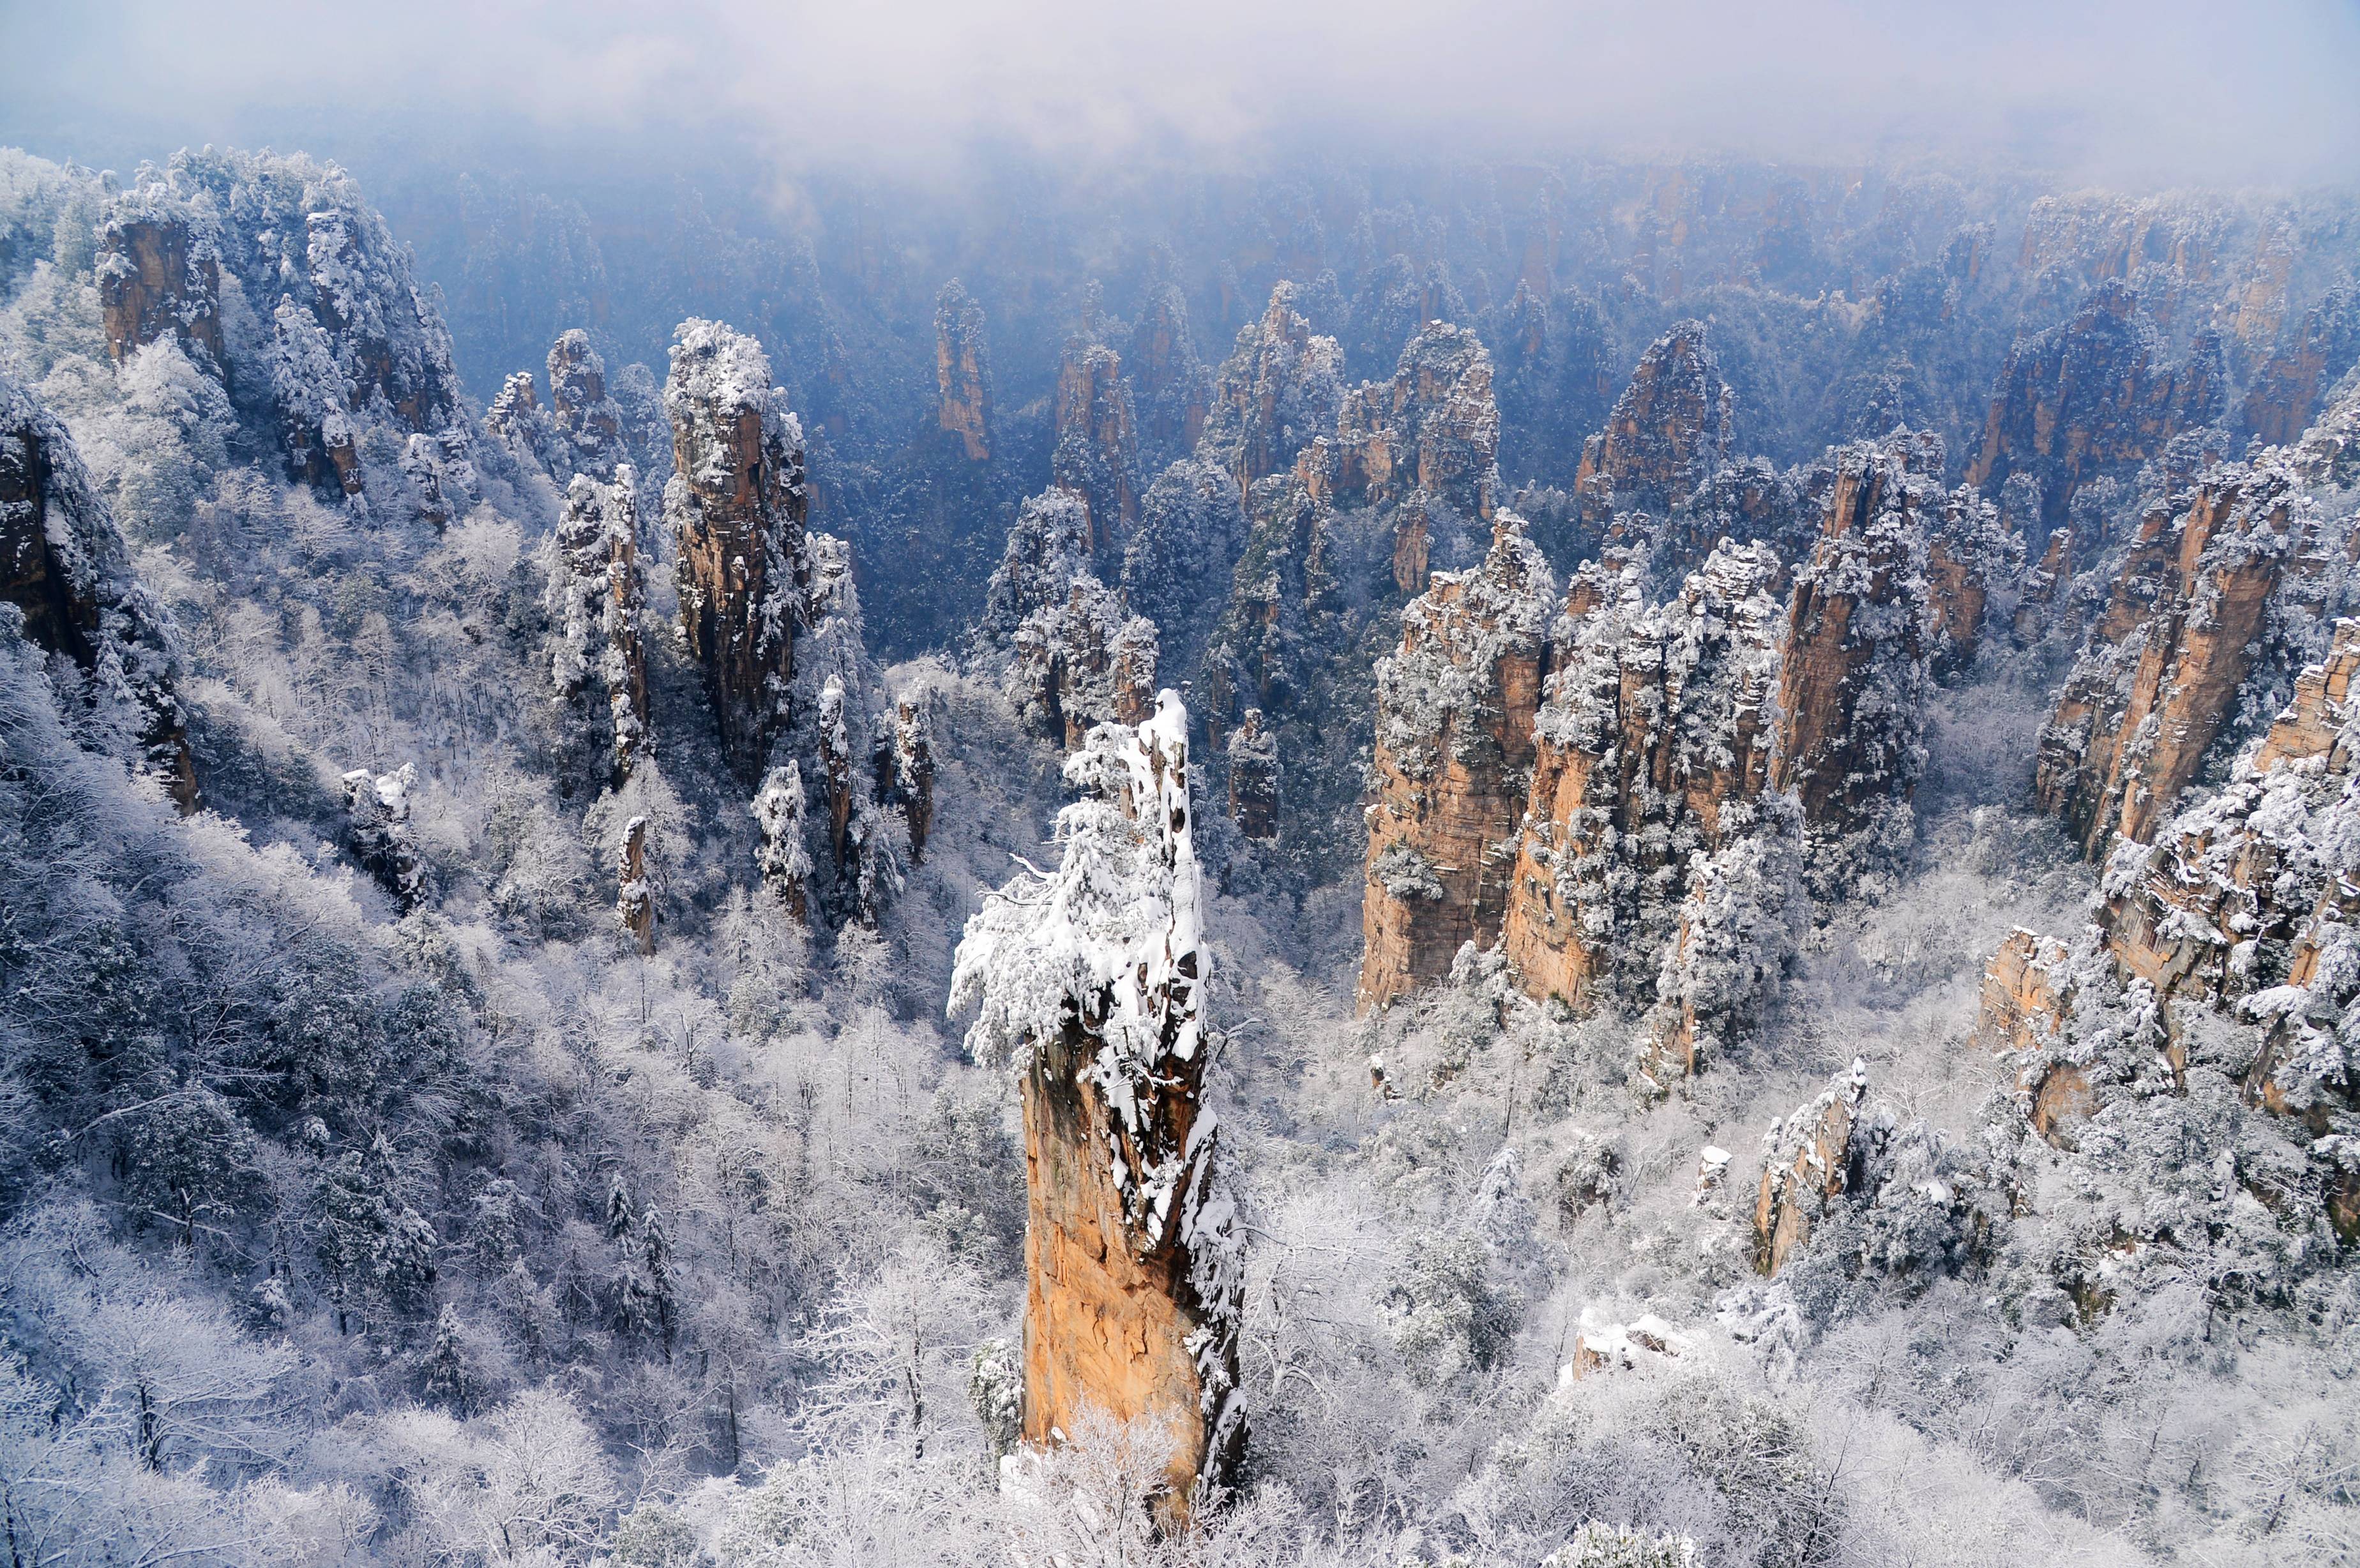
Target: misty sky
2156, 91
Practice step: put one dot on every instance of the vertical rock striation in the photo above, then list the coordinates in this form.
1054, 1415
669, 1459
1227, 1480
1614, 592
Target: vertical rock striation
962, 371
737, 503
2160, 675
1455, 727
1666, 433
2093, 395
1089, 983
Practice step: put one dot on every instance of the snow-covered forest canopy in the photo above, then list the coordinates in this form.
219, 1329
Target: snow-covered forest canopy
1571, 862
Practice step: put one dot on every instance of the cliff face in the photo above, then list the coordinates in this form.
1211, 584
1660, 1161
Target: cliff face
737, 503
587, 421
1852, 681
1091, 987
1455, 714
2231, 946
1174, 386
64, 566
155, 278
2289, 386
1253, 777
1652, 747
1095, 442
1433, 431
1083, 663
962, 372
1280, 388
1667, 432
2090, 395
769, 613
1066, 651
1694, 765
2160, 675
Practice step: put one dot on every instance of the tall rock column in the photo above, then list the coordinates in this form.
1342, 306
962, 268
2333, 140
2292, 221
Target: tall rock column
1090, 982
737, 502
594, 596
1668, 431
1652, 747
1453, 757
1853, 681
962, 371
2160, 677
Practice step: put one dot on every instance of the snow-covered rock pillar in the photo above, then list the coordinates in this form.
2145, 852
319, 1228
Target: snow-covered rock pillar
1090, 982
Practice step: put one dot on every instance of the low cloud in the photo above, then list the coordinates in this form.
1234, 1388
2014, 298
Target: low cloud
2161, 91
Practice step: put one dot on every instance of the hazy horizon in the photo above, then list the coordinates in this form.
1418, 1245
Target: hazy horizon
2157, 96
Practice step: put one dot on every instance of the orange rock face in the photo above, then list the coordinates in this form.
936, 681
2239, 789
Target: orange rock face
2090, 394
1809, 1160
154, 280
737, 503
1668, 430
2245, 905
1652, 745
1853, 678
1455, 715
962, 374
2161, 674
1133, 1285
1096, 454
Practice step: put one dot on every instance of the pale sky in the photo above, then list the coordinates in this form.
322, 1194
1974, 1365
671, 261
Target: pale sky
2145, 91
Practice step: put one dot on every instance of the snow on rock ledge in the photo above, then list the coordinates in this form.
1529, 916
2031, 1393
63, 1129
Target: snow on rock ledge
1088, 983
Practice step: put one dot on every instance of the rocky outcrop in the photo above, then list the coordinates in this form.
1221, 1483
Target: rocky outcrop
1969, 553
962, 371
1174, 387
377, 831
2218, 910
1453, 750
1431, 432
1667, 432
1083, 663
2244, 911
1852, 680
2158, 677
1696, 765
2092, 395
913, 767
361, 350
635, 899
589, 422
784, 859
1653, 748
1066, 651
596, 599
1089, 985
1253, 777
2288, 388
1809, 1160
769, 613
1095, 454
1280, 388
156, 278
65, 569
737, 503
